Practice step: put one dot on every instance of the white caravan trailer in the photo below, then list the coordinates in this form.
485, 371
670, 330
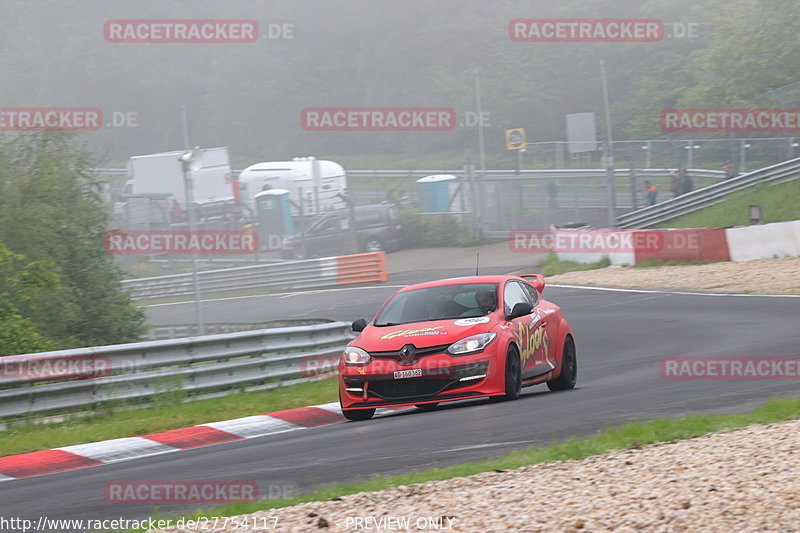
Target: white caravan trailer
317, 184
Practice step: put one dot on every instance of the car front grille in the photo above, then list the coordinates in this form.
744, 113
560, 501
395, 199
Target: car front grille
408, 388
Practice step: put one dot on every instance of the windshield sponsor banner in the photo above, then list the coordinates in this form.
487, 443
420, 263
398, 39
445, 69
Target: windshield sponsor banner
378, 119
539, 30
588, 241
180, 242
730, 120
730, 368
180, 31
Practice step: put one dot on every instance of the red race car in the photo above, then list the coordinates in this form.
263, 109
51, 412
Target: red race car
456, 339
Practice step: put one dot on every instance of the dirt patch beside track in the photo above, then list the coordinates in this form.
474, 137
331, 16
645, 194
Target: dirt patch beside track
765, 276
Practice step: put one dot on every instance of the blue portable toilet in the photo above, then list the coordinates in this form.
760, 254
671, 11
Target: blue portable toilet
274, 212
435, 192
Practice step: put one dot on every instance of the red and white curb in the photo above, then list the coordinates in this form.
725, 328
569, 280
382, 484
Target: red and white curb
175, 440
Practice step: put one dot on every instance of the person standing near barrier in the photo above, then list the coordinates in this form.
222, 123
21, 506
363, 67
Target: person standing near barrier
686, 181
675, 184
650, 192
729, 169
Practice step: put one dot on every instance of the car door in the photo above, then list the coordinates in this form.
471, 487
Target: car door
546, 313
326, 237
528, 331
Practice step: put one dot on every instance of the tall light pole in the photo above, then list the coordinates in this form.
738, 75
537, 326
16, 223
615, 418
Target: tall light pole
608, 154
191, 161
479, 107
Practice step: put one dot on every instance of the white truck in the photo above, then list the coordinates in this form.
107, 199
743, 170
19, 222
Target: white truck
314, 185
162, 174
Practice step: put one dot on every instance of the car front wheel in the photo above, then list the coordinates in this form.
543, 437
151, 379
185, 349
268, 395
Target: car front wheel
357, 415
373, 245
513, 381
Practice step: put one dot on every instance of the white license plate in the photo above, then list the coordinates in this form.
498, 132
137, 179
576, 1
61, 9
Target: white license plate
412, 373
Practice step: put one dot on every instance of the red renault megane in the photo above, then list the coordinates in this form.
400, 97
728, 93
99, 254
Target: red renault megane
456, 339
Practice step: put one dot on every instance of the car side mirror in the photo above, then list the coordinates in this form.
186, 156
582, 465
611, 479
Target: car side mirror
359, 325
520, 309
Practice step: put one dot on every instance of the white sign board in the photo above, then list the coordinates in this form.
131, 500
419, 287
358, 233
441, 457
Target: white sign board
581, 133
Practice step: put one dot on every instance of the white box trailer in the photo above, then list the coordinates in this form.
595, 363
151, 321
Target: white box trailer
162, 174
314, 183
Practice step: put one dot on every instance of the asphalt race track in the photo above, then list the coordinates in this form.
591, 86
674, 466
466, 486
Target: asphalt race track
620, 336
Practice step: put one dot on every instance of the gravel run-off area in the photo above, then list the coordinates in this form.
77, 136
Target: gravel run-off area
764, 276
746, 480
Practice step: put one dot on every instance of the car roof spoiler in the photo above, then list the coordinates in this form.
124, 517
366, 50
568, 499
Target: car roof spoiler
537, 280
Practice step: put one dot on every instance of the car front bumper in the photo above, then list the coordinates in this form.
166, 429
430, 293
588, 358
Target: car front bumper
443, 378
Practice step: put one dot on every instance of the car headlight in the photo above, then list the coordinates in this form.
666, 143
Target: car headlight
471, 344
355, 356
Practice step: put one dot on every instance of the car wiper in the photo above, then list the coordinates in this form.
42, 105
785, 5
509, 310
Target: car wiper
388, 324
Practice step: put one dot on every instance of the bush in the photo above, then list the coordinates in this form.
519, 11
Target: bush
420, 230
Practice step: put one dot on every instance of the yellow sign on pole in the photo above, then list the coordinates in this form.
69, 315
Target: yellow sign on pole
515, 139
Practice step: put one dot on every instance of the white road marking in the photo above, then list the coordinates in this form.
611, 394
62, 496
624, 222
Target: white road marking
682, 293
488, 445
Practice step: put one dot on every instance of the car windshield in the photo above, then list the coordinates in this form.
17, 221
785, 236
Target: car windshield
439, 303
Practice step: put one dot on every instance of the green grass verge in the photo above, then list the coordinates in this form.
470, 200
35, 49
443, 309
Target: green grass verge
166, 413
553, 266
627, 436
778, 202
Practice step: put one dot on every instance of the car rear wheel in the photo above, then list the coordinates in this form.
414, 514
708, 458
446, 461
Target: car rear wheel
569, 368
513, 378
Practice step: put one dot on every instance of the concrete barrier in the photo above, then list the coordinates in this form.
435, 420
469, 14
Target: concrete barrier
778, 239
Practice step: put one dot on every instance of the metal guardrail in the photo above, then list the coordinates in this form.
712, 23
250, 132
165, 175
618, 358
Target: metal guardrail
502, 174
44, 383
316, 273
713, 194
536, 173
176, 331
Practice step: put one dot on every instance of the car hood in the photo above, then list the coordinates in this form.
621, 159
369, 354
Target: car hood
421, 334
